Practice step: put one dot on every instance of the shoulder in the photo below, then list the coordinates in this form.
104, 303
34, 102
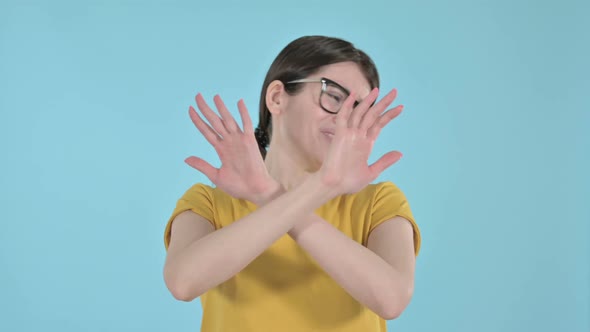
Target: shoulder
204, 189
373, 197
375, 191
384, 186
201, 187
215, 197
199, 192
387, 195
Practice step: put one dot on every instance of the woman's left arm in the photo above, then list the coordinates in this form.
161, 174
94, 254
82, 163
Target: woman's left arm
380, 276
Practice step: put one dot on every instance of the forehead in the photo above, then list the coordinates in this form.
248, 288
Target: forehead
349, 75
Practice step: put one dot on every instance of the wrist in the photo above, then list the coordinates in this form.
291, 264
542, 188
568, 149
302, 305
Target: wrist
321, 189
273, 191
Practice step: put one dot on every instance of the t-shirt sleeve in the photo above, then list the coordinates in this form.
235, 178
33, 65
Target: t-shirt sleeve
390, 201
198, 199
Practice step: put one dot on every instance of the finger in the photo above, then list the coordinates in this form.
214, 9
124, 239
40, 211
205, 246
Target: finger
344, 114
383, 120
213, 119
383, 163
377, 109
210, 134
246, 121
203, 167
362, 108
228, 120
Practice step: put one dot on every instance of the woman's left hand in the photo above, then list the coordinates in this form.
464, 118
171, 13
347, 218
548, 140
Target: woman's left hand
345, 166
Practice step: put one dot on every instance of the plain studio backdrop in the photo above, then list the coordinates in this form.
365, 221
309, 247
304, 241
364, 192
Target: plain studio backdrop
94, 128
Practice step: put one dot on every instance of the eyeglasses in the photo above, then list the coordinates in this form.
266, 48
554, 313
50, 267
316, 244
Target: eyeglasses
332, 96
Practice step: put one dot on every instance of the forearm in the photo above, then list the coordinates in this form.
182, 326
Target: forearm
358, 270
221, 254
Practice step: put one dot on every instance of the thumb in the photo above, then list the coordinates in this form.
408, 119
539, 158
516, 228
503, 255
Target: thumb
384, 162
203, 167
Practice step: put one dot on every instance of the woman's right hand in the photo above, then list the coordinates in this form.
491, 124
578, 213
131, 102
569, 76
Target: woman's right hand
345, 167
242, 174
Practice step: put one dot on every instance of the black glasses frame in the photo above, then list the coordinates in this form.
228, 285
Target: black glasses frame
325, 82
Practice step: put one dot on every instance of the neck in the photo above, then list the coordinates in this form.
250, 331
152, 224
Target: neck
287, 166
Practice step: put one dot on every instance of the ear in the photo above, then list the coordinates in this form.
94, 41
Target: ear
275, 96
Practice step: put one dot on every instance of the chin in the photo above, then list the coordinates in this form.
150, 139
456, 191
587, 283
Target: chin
319, 160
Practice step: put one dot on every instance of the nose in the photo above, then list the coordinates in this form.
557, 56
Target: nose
334, 118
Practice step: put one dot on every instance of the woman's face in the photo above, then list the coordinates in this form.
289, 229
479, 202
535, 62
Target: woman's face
303, 121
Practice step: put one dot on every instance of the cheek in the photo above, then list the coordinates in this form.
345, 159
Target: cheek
299, 130
300, 118
302, 122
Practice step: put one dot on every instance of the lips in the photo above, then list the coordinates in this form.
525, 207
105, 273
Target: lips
328, 131
329, 134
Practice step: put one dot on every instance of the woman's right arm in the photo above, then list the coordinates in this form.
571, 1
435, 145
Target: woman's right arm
199, 258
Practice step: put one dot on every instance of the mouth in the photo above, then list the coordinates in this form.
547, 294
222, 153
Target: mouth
329, 135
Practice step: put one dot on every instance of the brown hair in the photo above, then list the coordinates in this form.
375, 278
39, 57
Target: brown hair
299, 59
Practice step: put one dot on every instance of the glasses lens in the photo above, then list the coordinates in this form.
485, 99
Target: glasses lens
333, 97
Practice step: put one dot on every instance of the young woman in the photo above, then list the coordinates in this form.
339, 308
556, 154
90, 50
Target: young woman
297, 238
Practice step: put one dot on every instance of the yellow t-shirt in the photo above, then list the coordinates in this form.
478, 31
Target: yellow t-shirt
284, 289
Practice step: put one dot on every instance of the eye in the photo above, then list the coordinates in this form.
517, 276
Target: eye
338, 98
336, 94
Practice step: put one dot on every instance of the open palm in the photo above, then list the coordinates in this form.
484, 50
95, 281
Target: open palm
346, 165
242, 173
